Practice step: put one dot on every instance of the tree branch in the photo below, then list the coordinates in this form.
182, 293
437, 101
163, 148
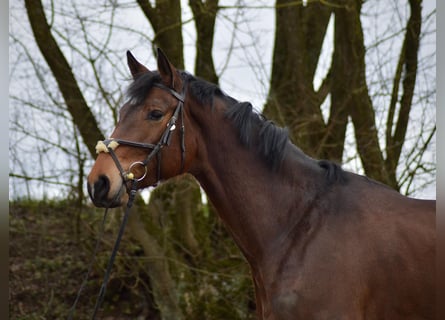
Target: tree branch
166, 21
410, 51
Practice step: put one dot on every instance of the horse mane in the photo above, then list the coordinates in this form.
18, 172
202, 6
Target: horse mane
139, 88
255, 131
258, 132
333, 172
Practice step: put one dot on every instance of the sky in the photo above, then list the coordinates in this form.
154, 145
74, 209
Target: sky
243, 47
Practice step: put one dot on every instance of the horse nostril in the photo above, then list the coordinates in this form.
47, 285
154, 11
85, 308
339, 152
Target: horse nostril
101, 188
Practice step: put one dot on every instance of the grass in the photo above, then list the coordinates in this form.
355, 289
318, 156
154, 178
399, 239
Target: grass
48, 258
51, 246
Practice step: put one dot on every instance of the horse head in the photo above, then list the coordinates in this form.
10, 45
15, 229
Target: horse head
149, 142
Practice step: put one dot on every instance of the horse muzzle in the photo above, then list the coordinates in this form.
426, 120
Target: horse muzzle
102, 195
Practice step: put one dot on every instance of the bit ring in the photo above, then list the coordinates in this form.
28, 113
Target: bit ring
130, 175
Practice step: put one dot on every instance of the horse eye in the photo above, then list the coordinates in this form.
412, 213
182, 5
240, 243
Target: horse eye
155, 115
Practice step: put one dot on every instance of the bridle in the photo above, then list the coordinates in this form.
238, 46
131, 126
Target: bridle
128, 177
109, 145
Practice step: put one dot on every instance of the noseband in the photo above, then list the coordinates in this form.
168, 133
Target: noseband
109, 145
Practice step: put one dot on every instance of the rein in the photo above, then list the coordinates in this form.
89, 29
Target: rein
108, 146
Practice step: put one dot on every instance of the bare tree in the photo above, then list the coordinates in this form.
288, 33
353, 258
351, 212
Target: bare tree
294, 102
69, 97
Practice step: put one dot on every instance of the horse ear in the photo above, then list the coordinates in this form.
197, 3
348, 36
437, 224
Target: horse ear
136, 68
169, 75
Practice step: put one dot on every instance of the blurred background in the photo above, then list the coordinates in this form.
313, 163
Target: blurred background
353, 81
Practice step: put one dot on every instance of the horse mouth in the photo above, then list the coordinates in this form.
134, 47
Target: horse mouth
107, 204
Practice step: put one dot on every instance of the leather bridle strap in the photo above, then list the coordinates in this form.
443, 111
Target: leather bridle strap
109, 145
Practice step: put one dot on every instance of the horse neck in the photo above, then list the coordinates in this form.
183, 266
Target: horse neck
256, 203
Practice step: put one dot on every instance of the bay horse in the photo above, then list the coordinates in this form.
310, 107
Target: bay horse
322, 243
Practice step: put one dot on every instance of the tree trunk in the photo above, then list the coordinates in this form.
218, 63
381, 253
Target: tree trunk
164, 287
168, 35
183, 193
75, 102
350, 45
204, 13
165, 18
292, 101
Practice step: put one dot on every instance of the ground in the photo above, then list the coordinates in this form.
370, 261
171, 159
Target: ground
51, 245
48, 260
